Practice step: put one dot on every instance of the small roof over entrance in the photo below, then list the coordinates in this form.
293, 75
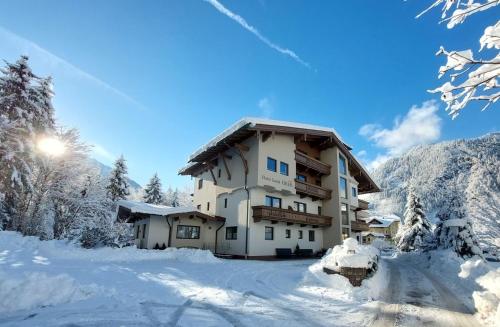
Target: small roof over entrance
131, 211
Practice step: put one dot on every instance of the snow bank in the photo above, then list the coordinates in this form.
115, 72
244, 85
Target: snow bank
66, 250
487, 302
38, 289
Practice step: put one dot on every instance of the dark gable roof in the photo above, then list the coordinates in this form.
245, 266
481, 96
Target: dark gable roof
247, 127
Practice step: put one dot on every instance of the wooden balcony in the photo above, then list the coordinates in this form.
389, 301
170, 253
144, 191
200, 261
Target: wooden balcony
289, 216
312, 163
314, 191
359, 226
362, 205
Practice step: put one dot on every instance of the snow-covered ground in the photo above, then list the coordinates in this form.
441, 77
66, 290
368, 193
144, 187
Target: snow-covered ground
52, 283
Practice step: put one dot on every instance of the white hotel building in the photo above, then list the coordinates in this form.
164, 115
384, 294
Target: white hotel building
278, 185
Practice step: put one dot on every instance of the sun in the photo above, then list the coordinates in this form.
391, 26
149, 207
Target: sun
51, 146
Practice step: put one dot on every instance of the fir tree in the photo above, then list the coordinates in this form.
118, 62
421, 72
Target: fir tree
152, 192
454, 229
416, 231
118, 185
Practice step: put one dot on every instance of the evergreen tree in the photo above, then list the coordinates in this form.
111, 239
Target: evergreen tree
118, 185
26, 113
152, 192
454, 229
416, 231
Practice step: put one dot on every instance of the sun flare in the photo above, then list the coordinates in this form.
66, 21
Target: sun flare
51, 146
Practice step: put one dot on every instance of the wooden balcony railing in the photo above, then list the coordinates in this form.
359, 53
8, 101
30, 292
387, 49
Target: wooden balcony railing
362, 205
312, 190
359, 226
289, 216
312, 163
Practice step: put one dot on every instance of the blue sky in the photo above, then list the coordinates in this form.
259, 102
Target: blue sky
154, 80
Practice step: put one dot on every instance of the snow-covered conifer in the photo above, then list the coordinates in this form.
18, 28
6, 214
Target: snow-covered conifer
118, 185
454, 230
416, 230
152, 192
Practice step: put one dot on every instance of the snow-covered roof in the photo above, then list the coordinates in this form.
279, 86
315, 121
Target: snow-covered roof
384, 221
154, 209
252, 122
373, 234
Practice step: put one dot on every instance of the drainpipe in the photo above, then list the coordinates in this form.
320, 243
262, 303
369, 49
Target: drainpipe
216, 233
248, 213
169, 232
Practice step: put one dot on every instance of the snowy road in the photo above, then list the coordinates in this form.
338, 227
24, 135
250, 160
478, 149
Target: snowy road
417, 297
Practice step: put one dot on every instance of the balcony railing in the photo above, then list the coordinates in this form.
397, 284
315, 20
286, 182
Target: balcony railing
289, 216
312, 163
312, 190
359, 226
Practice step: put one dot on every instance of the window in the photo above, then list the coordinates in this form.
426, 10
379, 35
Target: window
301, 178
225, 203
269, 233
271, 201
200, 183
231, 233
311, 236
137, 232
342, 165
354, 192
345, 233
271, 164
208, 206
288, 233
219, 173
300, 207
319, 210
344, 214
198, 207
343, 187
283, 168
144, 231
301, 235
188, 232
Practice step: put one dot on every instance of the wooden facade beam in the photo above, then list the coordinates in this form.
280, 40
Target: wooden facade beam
241, 147
242, 156
225, 166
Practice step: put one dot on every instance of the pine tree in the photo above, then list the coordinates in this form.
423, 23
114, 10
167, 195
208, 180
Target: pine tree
454, 229
416, 231
152, 192
118, 185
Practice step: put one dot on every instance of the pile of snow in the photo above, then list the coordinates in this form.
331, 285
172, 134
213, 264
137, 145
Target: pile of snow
350, 254
66, 250
37, 289
487, 302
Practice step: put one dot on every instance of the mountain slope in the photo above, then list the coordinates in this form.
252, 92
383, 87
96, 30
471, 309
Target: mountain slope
106, 170
468, 168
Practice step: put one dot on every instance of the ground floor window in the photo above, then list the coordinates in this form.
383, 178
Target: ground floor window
269, 233
287, 233
188, 232
301, 234
231, 233
311, 236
